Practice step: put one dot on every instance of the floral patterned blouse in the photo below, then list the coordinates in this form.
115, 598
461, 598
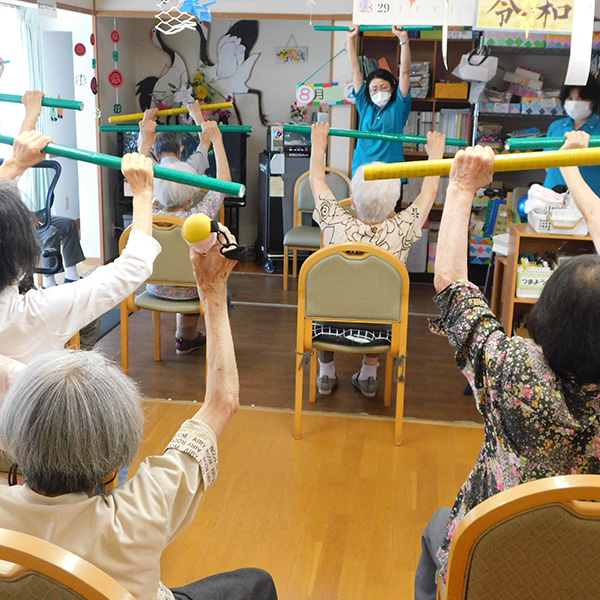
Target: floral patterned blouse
536, 424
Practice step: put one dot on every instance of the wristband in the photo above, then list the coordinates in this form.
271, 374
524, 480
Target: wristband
402, 43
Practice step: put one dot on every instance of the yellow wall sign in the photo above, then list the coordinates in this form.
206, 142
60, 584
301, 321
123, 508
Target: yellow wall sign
526, 15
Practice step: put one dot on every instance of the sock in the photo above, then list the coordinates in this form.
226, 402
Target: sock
367, 371
187, 333
71, 273
48, 281
327, 369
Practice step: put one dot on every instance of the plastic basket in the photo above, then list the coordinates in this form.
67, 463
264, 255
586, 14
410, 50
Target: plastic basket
531, 280
560, 221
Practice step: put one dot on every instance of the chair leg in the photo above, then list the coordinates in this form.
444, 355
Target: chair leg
294, 263
399, 407
286, 268
312, 385
389, 376
124, 338
156, 319
298, 398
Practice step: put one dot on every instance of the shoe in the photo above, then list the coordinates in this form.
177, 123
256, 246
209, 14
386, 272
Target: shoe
183, 346
326, 385
72, 280
367, 387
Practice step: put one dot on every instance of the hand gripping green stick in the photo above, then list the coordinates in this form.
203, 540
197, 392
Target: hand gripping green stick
175, 128
51, 102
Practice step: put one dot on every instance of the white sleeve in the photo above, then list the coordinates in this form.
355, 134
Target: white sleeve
199, 160
65, 309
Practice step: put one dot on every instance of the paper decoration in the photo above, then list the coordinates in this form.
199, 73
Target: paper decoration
117, 108
284, 55
525, 15
461, 13
115, 56
581, 47
115, 78
47, 8
171, 19
92, 39
79, 49
80, 79
115, 36
94, 85
324, 94
197, 8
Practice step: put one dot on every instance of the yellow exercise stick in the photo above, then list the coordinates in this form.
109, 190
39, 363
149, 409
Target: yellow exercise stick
168, 111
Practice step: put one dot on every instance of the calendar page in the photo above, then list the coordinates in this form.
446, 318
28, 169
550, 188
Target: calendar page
414, 12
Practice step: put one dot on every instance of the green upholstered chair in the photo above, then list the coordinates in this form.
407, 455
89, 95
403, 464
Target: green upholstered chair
171, 267
536, 540
353, 283
33, 569
306, 237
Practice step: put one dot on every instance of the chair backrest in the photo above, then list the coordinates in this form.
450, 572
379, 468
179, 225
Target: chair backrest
172, 266
537, 540
338, 183
31, 568
353, 282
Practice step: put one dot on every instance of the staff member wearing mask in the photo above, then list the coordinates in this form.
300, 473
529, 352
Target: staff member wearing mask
581, 104
383, 103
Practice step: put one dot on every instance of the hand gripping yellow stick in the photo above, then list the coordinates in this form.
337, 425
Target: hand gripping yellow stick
578, 157
168, 111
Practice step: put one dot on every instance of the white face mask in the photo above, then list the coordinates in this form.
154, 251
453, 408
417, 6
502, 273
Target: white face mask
578, 110
381, 98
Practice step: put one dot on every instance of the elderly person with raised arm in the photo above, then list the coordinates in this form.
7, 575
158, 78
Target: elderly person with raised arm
540, 398
72, 419
374, 202
44, 319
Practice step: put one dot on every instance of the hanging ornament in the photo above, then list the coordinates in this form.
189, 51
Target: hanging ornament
94, 85
98, 113
93, 63
197, 8
117, 108
80, 79
115, 56
79, 49
92, 39
115, 37
171, 19
115, 78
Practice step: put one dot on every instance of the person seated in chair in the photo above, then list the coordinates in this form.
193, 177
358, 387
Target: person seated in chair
374, 203
539, 397
72, 419
176, 200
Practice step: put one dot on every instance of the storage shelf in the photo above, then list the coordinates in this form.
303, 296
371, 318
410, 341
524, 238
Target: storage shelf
518, 300
517, 115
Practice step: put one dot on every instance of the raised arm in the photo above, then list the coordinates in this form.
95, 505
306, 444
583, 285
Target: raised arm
221, 400
32, 101
147, 135
212, 131
137, 169
196, 112
405, 60
472, 169
27, 152
436, 144
357, 77
585, 199
318, 182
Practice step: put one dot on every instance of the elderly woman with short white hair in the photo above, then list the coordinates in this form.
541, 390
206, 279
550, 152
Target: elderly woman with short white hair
374, 223
72, 419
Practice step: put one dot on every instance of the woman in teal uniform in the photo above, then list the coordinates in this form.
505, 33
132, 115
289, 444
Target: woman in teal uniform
581, 105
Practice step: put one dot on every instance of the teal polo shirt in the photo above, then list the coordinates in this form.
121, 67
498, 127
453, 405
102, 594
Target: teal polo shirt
590, 174
389, 119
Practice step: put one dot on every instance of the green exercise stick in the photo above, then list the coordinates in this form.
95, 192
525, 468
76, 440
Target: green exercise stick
51, 102
372, 28
114, 162
373, 135
175, 128
543, 142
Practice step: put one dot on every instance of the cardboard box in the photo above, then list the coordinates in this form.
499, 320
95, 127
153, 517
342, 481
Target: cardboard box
480, 250
515, 39
514, 108
541, 106
494, 107
452, 90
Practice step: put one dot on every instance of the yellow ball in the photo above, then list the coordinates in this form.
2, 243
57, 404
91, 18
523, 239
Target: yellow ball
196, 228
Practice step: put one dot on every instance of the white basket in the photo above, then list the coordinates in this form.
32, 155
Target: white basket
531, 280
560, 221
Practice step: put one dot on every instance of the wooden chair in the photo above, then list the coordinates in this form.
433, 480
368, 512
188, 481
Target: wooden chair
537, 540
353, 283
306, 237
171, 267
31, 568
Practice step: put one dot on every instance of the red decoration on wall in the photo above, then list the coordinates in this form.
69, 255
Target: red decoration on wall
79, 49
114, 36
92, 39
94, 85
115, 78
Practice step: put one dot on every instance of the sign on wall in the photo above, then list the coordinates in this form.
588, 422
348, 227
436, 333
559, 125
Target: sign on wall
320, 94
526, 15
461, 13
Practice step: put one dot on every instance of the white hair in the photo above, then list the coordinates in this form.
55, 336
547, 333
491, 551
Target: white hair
374, 200
172, 195
70, 419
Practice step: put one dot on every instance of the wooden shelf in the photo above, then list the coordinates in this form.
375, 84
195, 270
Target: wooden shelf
518, 300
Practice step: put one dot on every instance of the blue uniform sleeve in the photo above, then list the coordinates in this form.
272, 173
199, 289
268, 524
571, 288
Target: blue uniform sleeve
360, 97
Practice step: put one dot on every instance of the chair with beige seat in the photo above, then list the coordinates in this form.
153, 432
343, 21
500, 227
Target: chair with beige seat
34, 569
536, 540
306, 237
171, 267
353, 283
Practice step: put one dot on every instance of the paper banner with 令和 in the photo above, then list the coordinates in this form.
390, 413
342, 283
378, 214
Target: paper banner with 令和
525, 15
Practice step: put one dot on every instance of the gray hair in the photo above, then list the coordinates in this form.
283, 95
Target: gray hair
168, 141
374, 200
71, 419
172, 195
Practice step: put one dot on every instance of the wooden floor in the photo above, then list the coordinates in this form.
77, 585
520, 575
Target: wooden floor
264, 328
337, 514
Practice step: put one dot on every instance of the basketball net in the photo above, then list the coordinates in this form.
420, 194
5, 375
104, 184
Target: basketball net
171, 20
